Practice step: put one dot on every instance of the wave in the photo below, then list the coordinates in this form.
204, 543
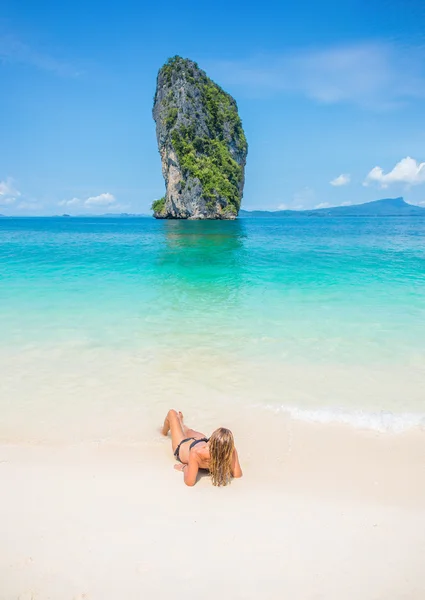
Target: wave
382, 421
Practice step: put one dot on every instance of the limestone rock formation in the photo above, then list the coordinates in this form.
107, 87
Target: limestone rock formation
201, 142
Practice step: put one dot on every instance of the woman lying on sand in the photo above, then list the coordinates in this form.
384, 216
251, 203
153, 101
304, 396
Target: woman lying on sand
194, 451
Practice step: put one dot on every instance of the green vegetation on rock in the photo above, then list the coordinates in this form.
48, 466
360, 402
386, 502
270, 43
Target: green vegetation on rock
210, 161
158, 206
171, 118
199, 121
221, 111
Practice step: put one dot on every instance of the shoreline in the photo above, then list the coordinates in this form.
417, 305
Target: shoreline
71, 395
323, 512
93, 509
327, 459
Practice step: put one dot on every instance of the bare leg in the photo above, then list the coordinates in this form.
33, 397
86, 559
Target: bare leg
188, 432
174, 423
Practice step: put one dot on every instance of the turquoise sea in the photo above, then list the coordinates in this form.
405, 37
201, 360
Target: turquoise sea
256, 307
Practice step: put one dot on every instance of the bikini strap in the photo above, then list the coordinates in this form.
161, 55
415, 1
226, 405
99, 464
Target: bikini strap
177, 450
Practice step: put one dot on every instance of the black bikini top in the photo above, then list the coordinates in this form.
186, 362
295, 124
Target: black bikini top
197, 442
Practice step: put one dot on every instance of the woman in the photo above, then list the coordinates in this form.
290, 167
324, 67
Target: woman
194, 451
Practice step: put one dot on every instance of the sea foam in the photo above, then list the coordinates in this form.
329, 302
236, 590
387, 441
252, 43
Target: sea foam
382, 421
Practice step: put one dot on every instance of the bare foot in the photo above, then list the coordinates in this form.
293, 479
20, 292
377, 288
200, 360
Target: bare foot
166, 427
184, 427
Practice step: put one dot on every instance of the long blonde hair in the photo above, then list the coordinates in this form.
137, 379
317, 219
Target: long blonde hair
221, 449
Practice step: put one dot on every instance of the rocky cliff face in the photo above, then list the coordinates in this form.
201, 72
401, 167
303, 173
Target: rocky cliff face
201, 142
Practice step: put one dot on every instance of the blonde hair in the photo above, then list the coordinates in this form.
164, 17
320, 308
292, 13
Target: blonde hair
221, 449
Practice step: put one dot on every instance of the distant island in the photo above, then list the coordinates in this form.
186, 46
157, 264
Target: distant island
81, 216
108, 216
388, 207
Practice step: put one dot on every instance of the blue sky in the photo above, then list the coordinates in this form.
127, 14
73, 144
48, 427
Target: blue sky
331, 94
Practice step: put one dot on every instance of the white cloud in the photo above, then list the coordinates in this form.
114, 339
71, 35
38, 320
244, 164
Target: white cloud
346, 203
407, 171
282, 207
14, 202
72, 202
105, 199
101, 201
8, 192
371, 74
342, 179
323, 205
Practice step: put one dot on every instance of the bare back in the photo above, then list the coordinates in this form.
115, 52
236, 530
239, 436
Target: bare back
196, 457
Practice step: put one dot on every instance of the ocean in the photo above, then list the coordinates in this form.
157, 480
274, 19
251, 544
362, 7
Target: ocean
107, 322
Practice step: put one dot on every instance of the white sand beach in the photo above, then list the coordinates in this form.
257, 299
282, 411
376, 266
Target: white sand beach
332, 513
92, 508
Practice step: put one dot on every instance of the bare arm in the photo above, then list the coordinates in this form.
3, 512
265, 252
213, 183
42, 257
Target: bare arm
191, 470
236, 467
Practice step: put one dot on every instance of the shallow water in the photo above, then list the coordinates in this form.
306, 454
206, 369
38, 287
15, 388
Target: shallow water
322, 317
